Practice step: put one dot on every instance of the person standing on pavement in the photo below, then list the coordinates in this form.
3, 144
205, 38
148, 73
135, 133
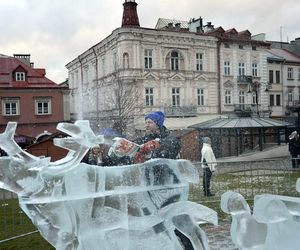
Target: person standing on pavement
294, 148
208, 163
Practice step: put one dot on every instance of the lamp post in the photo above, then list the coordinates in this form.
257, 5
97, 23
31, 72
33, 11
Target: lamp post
253, 88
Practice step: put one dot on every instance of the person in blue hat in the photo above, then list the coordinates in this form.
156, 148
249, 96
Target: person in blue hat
157, 142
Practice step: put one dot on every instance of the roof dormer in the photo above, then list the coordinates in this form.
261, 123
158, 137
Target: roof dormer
19, 74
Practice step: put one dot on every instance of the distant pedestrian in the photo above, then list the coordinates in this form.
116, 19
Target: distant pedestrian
208, 162
294, 148
94, 156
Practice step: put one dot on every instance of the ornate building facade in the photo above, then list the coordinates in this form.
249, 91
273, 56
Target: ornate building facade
185, 69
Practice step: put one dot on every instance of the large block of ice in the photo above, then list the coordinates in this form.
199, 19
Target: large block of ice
274, 224
80, 206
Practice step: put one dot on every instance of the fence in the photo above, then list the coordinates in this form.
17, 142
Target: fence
246, 177
275, 176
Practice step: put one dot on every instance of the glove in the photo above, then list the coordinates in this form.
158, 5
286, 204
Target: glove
149, 146
139, 158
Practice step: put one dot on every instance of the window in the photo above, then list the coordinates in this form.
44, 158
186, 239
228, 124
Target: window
149, 96
241, 69
271, 80
271, 100
298, 74
254, 97
174, 60
277, 76
227, 97
278, 100
290, 73
200, 97
226, 45
125, 61
242, 99
20, 76
199, 61
10, 107
253, 47
43, 106
175, 97
254, 69
241, 47
227, 68
148, 58
290, 95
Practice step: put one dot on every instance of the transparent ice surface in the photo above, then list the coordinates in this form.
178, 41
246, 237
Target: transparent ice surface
86, 207
246, 232
274, 224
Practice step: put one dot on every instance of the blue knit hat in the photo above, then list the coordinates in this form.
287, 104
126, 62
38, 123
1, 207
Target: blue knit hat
157, 116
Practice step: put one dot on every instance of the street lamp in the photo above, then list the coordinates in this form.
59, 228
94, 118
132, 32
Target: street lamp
253, 88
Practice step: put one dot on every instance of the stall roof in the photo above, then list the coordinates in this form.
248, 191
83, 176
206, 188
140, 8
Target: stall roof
177, 123
240, 122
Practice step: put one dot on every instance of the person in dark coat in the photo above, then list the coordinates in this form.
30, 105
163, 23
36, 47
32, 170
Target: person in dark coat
294, 148
157, 141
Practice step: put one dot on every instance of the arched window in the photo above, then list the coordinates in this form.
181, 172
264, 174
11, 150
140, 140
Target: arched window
125, 61
174, 62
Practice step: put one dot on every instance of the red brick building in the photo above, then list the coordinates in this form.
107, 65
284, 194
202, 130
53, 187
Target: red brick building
29, 98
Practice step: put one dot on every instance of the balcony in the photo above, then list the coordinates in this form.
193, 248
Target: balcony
246, 110
244, 79
183, 111
293, 106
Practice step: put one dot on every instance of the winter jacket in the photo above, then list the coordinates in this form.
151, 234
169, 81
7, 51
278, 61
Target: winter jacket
208, 158
169, 145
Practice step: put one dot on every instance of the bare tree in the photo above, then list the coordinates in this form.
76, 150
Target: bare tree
125, 103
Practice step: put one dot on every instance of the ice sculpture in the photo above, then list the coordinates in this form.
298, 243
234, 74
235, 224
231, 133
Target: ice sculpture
80, 206
274, 225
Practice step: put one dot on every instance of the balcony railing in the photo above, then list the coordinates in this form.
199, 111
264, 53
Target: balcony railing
244, 79
246, 109
293, 105
181, 111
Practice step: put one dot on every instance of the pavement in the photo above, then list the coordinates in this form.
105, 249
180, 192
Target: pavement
273, 151
219, 236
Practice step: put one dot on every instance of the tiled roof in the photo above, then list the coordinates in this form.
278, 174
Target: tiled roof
35, 78
287, 55
163, 23
243, 122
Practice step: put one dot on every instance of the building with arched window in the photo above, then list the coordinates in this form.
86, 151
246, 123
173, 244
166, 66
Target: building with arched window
185, 69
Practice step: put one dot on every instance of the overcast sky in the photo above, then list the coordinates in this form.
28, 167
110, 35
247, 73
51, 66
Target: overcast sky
55, 32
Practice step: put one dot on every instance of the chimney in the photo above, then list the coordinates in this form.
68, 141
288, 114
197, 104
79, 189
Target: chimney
170, 25
130, 16
177, 26
24, 58
196, 25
